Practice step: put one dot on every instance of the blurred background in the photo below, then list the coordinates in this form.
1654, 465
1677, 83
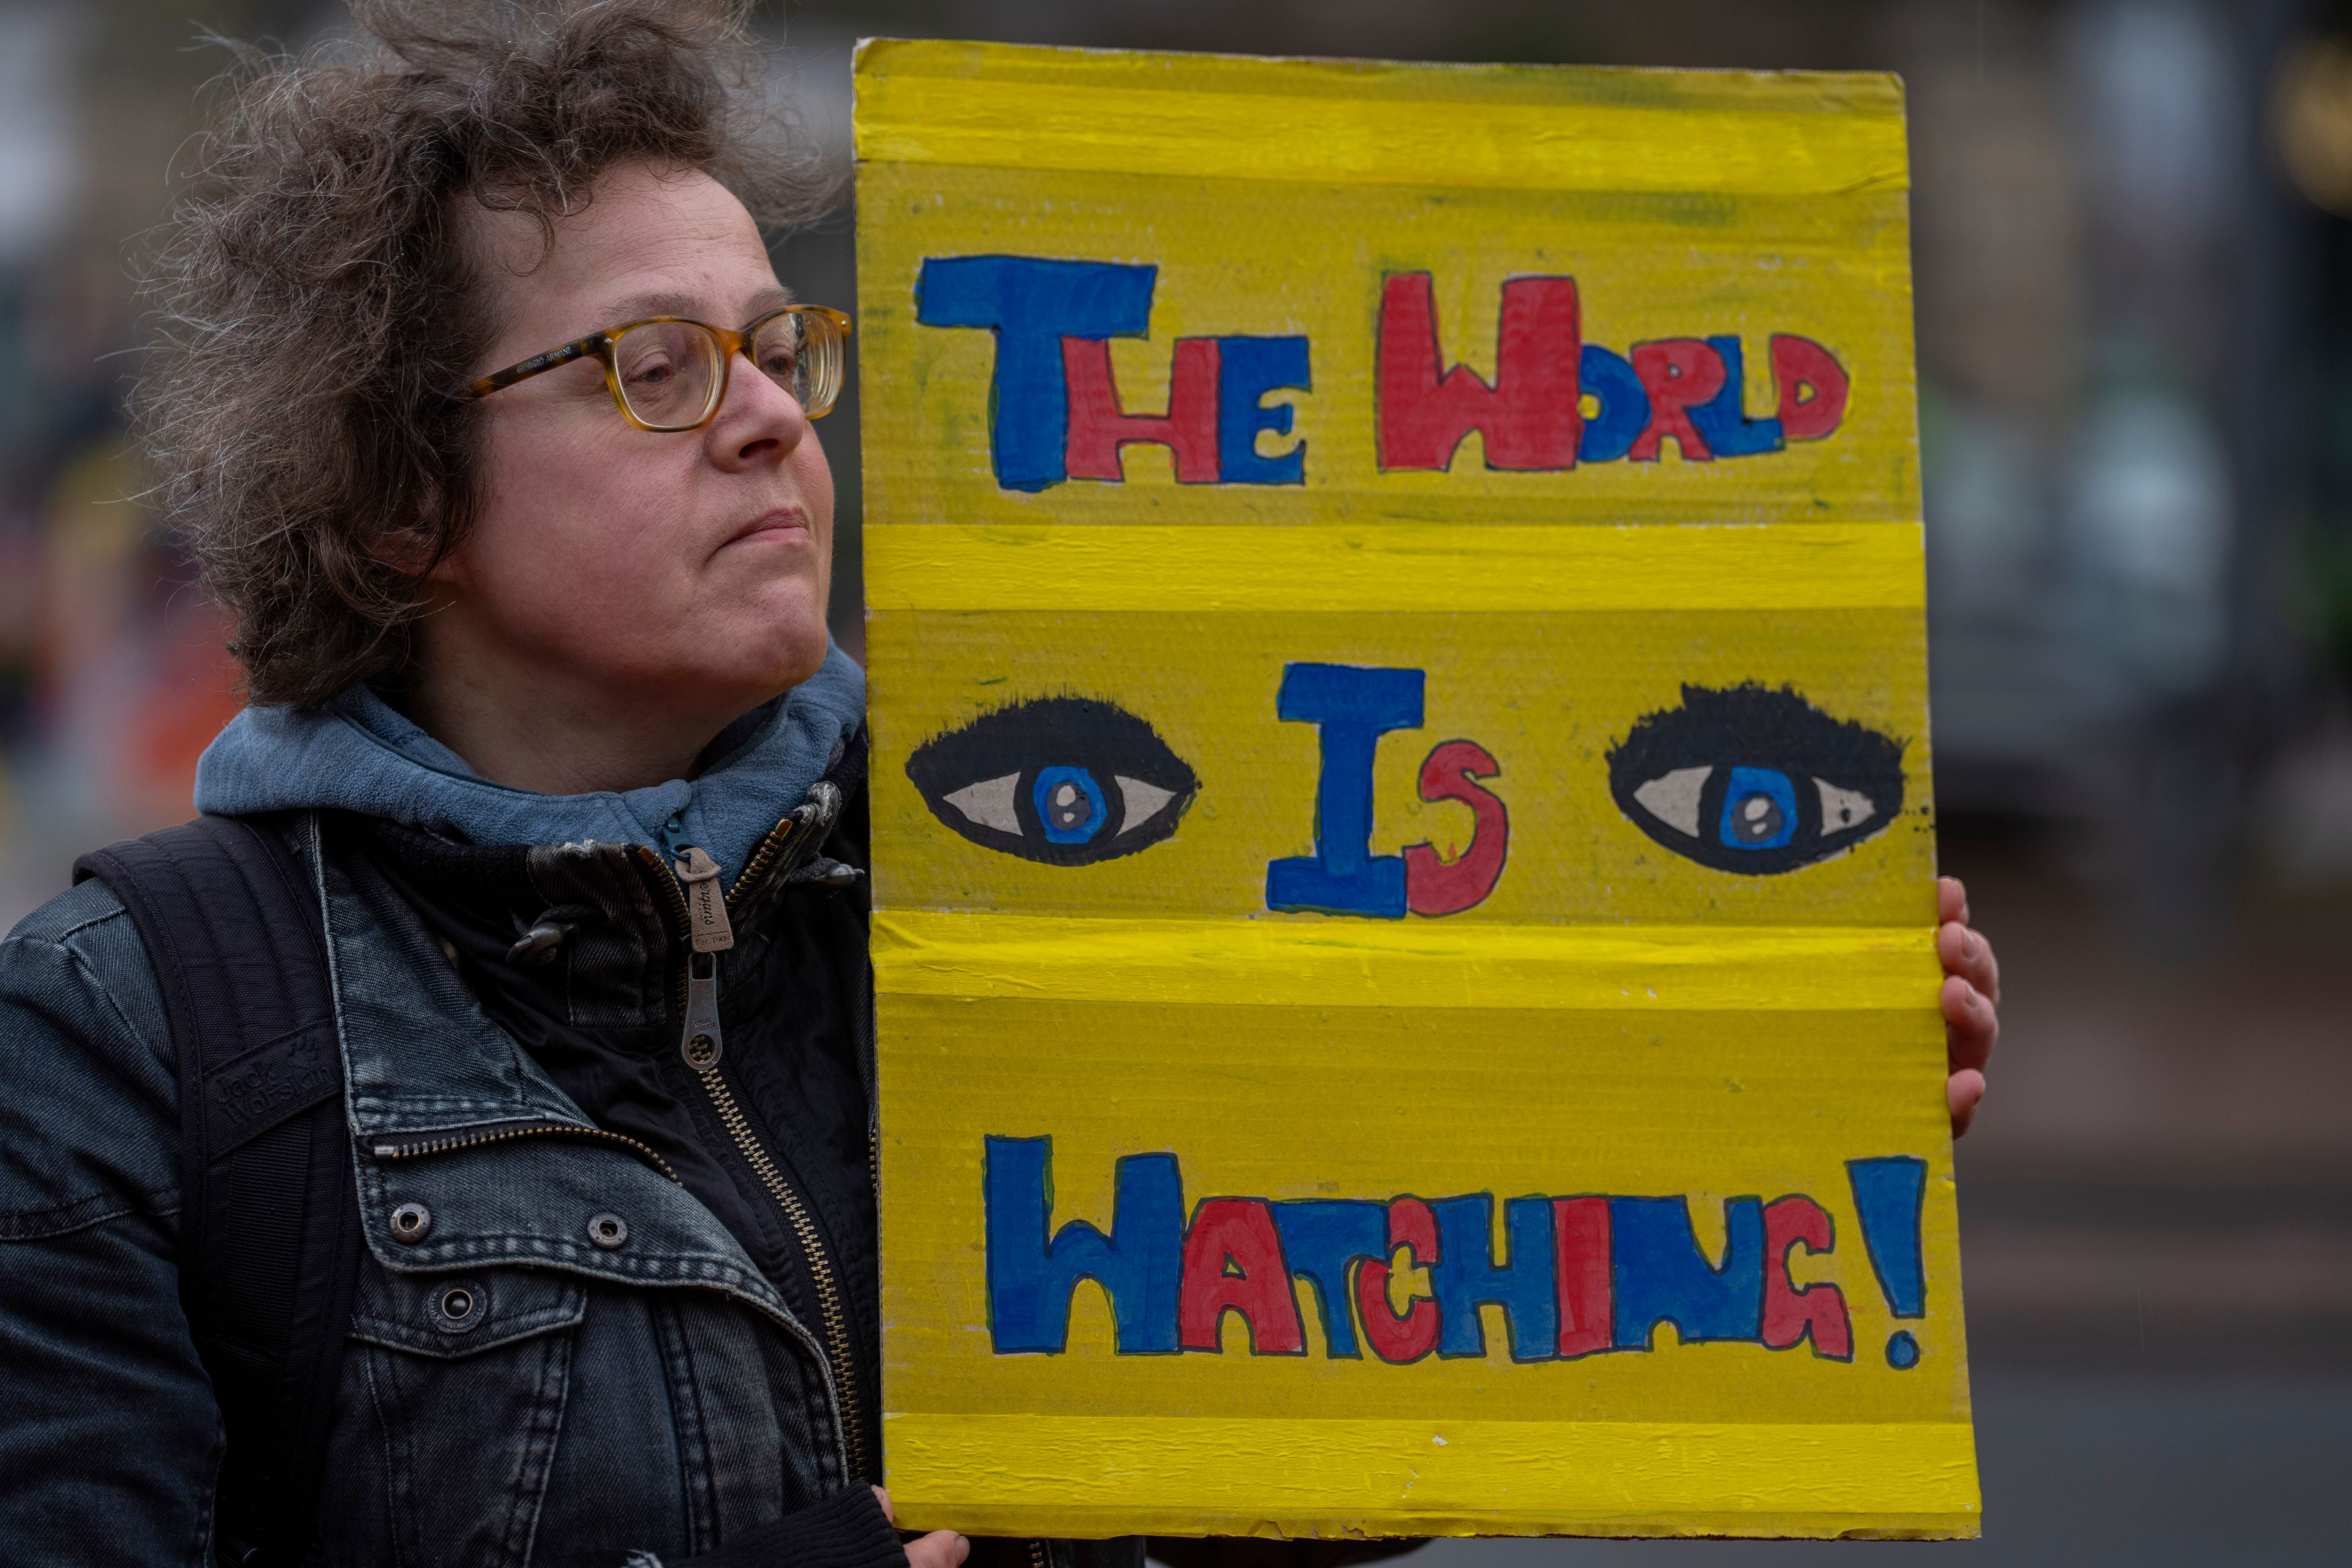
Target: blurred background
2133, 231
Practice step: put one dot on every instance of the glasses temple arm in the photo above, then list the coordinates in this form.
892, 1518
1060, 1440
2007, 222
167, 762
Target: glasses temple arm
533, 365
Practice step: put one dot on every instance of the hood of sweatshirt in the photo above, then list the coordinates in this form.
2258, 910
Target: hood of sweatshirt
357, 753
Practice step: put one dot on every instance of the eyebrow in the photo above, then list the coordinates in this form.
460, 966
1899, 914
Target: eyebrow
668, 302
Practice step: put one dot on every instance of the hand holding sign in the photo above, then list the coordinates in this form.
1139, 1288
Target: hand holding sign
1971, 1001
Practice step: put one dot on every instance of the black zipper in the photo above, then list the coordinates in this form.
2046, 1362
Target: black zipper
444, 1142
833, 1307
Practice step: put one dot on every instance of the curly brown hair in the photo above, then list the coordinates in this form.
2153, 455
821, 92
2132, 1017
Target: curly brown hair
303, 404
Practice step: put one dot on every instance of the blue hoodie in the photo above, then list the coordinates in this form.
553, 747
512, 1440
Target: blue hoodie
357, 753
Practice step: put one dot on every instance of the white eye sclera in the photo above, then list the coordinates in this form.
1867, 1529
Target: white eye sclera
990, 803
1843, 808
1674, 799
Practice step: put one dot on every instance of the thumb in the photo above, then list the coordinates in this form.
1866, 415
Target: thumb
884, 1499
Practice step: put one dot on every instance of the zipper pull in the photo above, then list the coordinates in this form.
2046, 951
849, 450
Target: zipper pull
702, 1043
706, 909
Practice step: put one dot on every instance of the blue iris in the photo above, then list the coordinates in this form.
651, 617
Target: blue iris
1070, 805
1759, 810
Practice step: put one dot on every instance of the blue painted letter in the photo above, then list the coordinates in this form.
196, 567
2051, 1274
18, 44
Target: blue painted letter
1661, 1276
1029, 1282
1723, 420
1624, 406
1247, 369
1354, 705
1031, 304
1465, 1276
1320, 1237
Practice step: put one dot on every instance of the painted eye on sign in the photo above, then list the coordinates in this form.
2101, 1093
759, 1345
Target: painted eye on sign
1756, 781
1064, 781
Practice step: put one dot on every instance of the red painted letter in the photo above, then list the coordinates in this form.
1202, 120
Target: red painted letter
1435, 886
1414, 1335
1239, 1231
1790, 1314
1529, 419
1678, 373
1097, 428
1813, 387
1579, 1229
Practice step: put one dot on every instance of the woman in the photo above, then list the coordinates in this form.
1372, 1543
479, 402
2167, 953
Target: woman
488, 419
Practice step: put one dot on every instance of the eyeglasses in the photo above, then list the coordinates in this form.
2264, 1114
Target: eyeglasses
667, 373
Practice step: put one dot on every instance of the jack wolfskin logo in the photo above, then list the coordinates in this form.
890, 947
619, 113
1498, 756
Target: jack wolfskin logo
281, 1078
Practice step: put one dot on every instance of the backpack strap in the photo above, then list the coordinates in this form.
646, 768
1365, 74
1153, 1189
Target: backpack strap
269, 1242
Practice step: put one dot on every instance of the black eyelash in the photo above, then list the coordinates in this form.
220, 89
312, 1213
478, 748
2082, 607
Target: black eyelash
1754, 727
1065, 733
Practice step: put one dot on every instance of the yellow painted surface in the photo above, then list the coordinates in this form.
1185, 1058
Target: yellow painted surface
1325, 121
1459, 1478
1614, 1017
1359, 963
1812, 566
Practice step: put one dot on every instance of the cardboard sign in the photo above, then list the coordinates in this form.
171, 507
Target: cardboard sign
1404, 856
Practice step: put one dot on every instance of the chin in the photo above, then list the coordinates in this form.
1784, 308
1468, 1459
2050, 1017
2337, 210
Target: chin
768, 646
793, 659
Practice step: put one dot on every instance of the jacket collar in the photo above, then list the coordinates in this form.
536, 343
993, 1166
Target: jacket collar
448, 1112
359, 754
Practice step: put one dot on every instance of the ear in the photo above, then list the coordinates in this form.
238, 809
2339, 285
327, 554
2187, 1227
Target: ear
418, 547
447, 568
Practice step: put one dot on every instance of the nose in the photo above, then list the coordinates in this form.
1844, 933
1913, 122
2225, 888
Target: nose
757, 421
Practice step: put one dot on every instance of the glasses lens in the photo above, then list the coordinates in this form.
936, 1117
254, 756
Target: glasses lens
668, 372
800, 352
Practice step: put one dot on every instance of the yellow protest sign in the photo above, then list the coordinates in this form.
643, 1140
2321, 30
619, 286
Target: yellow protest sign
1402, 846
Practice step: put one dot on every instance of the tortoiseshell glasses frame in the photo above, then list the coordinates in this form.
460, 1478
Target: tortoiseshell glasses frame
684, 369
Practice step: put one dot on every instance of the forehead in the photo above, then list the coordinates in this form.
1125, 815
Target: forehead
646, 243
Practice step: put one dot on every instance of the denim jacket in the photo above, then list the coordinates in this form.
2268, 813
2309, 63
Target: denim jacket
527, 1381
574, 1360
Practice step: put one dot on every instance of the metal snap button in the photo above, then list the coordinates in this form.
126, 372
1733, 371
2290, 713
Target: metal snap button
608, 1230
460, 1305
410, 1223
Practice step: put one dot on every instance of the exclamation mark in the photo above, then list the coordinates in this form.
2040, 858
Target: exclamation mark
1888, 1195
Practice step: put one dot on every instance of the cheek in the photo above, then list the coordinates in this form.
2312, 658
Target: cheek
813, 476
570, 538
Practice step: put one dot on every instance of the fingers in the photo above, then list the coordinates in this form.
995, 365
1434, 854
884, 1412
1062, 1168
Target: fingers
1970, 1001
1963, 1091
1971, 1026
1967, 954
939, 1548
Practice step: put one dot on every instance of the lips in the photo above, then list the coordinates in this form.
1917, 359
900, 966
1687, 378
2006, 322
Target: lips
783, 521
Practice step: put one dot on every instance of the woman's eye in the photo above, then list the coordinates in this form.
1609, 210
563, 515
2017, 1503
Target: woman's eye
1753, 781
1067, 781
778, 363
650, 372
